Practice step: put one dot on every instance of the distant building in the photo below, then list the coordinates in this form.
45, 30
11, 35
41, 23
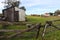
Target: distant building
46, 14
14, 14
58, 15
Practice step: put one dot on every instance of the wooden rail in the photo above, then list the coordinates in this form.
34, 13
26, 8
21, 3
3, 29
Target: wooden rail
3, 30
19, 32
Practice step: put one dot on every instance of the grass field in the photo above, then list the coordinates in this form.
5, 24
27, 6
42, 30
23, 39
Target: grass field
55, 35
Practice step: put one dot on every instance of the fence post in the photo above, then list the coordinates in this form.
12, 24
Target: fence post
38, 30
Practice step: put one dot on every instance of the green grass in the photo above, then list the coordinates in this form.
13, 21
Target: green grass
35, 19
55, 35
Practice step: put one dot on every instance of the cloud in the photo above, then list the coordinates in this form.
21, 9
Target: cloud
38, 6
30, 3
1, 5
40, 11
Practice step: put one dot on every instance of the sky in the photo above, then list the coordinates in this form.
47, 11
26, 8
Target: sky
37, 6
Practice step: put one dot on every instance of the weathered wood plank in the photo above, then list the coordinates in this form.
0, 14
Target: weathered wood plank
3, 30
19, 32
23, 31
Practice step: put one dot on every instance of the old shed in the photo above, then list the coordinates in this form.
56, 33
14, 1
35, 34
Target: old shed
14, 14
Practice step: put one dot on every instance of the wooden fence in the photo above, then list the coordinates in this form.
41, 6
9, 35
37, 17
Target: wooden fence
19, 32
36, 26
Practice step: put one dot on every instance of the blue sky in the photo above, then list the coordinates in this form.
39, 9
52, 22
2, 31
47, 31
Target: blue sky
38, 6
